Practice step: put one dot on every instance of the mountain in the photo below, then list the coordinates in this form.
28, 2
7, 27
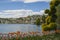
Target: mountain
21, 20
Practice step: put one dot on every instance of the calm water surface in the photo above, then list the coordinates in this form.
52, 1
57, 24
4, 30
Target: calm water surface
5, 28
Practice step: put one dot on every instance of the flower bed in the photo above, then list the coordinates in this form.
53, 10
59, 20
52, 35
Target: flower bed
44, 37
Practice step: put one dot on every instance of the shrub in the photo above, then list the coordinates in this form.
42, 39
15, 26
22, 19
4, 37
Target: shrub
52, 26
45, 27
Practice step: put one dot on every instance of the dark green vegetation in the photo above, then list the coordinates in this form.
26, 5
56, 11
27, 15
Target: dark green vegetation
50, 23
38, 21
44, 37
43, 18
58, 16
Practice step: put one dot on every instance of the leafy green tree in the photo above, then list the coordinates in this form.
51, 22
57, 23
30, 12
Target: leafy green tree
43, 18
51, 19
46, 11
58, 14
48, 20
38, 21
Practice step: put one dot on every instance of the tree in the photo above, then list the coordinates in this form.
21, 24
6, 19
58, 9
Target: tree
43, 18
46, 11
51, 19
58, 14
48, 20
38, 21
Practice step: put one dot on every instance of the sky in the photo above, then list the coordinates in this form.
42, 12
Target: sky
22, 8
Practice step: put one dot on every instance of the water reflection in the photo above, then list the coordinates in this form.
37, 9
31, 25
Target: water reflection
19, 27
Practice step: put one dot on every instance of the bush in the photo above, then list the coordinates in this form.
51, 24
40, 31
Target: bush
52, 26
45, 27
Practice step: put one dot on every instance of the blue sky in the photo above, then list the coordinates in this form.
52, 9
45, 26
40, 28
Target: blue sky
36, 6
15, 5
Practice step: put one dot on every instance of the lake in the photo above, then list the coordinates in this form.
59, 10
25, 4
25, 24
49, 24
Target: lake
5, 28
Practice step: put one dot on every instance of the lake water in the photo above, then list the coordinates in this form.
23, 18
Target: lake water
5, 28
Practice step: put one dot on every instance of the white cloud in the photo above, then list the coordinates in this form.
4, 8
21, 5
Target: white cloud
16, 0
18, 13
30, 1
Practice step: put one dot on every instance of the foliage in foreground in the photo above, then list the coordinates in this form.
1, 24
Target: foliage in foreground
51, 18
44, 37
51, 26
